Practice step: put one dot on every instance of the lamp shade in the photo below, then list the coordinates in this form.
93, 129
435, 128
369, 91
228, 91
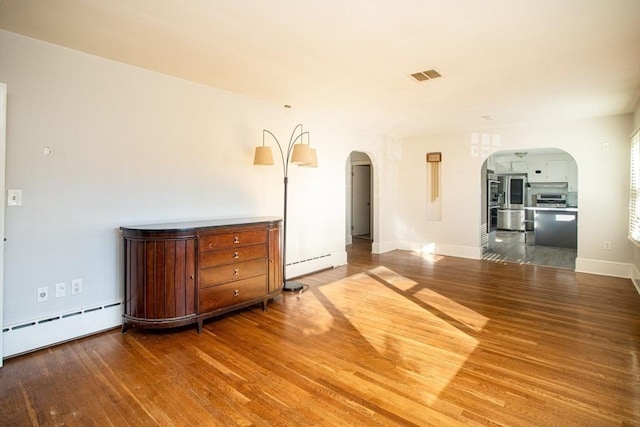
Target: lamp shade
263, 156
314, 161
301, 154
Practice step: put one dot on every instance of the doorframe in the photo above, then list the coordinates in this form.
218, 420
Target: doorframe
490, 161
353, 165
349, 196
3, 146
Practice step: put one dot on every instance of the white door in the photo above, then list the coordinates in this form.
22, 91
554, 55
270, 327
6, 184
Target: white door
3, 135
361, 200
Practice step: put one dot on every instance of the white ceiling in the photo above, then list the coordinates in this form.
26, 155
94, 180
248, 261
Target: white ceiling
516, 61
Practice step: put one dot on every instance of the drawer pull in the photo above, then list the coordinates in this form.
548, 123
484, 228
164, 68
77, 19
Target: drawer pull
236, 239
236, 255
236, 292
191, 277
236, 271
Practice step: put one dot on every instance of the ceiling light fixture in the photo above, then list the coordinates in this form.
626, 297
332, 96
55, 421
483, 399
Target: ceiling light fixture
520, 154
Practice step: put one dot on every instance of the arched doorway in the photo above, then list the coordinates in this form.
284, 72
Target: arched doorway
530, 207
359, 194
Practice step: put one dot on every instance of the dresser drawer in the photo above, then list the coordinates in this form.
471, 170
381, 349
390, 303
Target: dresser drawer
231, 273
214, 242
229, 294
231, 256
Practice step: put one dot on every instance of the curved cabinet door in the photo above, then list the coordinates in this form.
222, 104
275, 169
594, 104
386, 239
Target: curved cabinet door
160, 280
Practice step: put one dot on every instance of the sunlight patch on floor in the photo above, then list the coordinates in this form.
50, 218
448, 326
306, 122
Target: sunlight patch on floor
318, 319
429, 352
393, 279
459, 312
430, 257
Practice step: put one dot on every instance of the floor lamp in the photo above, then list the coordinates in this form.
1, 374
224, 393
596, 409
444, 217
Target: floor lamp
298, 153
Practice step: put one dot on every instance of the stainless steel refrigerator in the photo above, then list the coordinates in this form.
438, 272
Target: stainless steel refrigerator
511, 213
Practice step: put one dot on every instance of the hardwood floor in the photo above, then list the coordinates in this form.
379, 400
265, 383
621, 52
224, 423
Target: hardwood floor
392, 339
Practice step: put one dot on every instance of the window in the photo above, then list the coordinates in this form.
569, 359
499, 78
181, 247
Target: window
634, 196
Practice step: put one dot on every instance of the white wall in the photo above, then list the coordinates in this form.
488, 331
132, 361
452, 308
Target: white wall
131, 146
603, 189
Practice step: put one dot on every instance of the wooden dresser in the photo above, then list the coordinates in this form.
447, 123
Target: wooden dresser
181, 273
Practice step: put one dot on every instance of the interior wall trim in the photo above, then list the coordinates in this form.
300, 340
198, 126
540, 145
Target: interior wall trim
604, 268
445, 249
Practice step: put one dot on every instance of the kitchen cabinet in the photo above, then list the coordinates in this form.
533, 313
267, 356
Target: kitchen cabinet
519, 166
491, 163
557, 171
554, 171
541, 168
537, 171
511, 167
556, 227
503, 167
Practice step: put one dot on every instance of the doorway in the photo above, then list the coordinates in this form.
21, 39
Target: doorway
359, 196
544, 231
361, 201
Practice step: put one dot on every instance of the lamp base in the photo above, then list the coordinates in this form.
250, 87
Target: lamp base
292, 286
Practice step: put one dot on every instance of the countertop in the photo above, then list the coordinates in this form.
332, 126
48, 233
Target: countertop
537, 208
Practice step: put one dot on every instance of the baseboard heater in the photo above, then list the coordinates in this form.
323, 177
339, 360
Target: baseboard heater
309, 265
36, 334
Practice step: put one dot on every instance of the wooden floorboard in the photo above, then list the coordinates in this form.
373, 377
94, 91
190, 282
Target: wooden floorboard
393, 339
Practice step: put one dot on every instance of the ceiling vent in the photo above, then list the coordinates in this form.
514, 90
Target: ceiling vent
426, 75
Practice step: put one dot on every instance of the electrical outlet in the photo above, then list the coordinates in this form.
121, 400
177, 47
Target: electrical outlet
607, 245
43, 294
76, 286
61, 289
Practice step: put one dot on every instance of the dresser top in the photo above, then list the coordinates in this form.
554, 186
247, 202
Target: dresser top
207, 223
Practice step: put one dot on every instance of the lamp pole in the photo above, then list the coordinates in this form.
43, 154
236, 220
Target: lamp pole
286, 158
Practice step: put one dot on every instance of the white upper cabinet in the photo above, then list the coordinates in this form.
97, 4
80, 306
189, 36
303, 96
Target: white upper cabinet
503, 166
558, 171
537, 171
556, 167
519, 166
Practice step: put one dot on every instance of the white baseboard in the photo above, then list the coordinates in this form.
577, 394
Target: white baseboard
443, 249
459, 251
604, 268
382, 247
339, 258
592, 266
36, 334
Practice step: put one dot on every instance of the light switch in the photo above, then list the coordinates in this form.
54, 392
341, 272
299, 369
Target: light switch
14, 197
